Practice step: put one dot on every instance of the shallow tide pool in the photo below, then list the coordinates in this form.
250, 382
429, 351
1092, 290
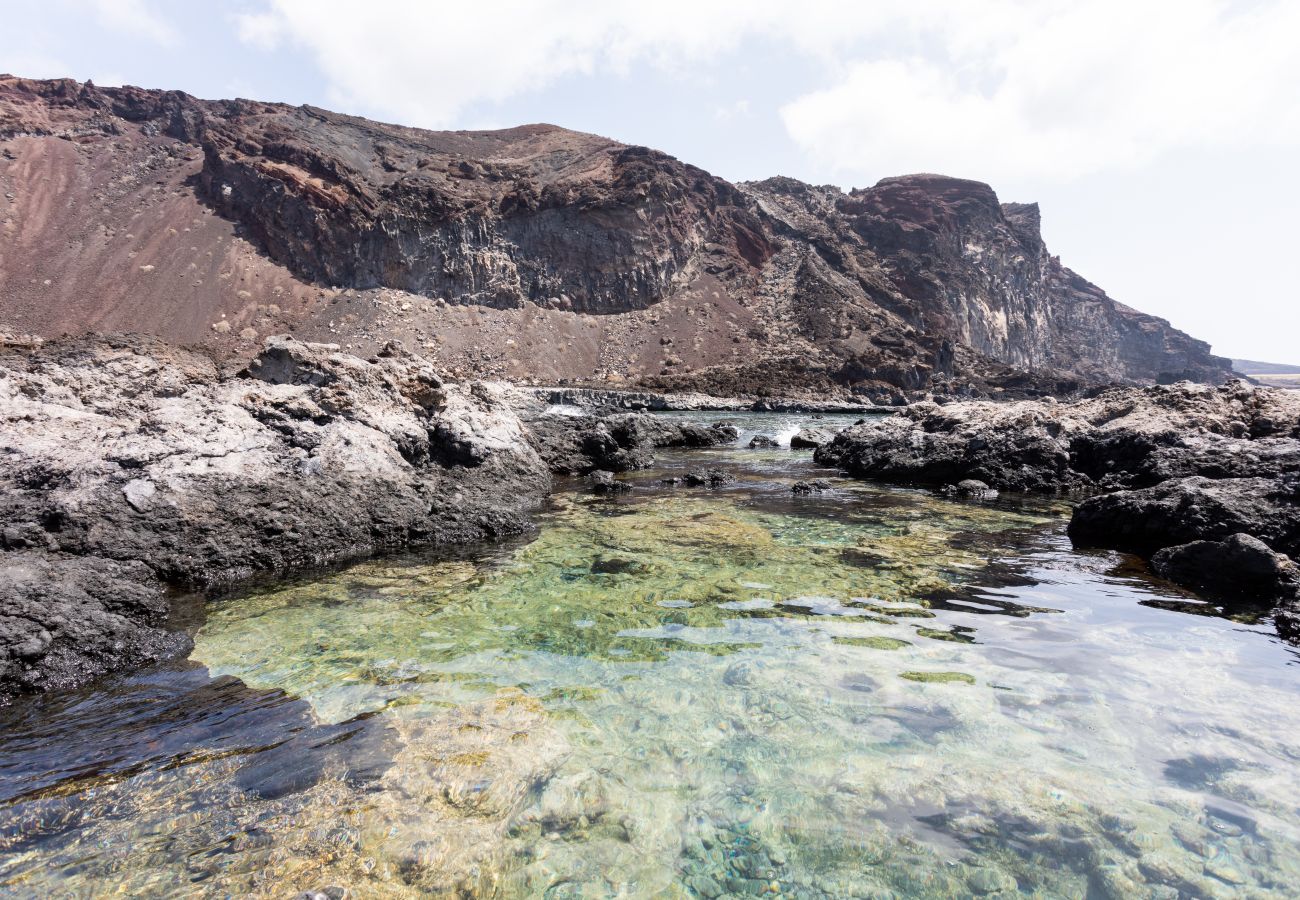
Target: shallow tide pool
682, 692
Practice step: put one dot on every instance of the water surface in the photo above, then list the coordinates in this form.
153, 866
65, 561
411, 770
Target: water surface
683, 692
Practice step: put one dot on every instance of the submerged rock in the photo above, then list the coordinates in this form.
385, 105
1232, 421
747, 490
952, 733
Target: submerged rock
580, 445
816, 486
128, 450
709, 478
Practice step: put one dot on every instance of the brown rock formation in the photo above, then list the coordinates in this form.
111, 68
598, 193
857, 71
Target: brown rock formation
534, 252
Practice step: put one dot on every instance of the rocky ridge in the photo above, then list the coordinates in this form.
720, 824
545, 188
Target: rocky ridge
537, 253
1192, 476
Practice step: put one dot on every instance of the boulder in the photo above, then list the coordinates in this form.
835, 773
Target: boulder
605, 484
1184, 510
1238, 568
763, 442
709, 478
971, 489
810, 438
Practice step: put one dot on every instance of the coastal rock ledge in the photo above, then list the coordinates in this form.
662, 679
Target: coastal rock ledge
129, 467
1192, 475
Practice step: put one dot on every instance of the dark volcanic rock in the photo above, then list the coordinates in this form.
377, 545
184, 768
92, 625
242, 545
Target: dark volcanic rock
579, 445
709, 478
585, 257
1192, 509
816, 486
1238, 568
971, 489
131, 451
606, 484
1122, 437
1210, 472
763, 442
66, 619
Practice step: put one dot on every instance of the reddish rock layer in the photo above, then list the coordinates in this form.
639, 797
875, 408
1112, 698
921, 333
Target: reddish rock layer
534, 252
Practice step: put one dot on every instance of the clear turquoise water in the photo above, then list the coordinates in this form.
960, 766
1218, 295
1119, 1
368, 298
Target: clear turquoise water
869, 693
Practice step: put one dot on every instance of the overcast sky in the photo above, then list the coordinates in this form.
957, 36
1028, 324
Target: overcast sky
1160, 138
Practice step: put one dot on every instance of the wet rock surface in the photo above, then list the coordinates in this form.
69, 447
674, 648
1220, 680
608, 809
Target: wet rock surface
66, 619
1240, 566
1213, 468
129, 464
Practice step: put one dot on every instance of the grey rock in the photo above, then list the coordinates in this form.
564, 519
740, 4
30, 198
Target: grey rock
709, 478
810, 438
604, 483
128, 450
763, 442
1238, 568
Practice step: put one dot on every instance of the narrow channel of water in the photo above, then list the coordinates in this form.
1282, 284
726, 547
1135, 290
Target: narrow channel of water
684, 692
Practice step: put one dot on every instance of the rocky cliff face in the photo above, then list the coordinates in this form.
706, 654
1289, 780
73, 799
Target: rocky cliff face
534, 252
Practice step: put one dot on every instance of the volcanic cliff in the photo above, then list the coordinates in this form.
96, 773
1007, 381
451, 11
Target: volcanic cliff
535, 253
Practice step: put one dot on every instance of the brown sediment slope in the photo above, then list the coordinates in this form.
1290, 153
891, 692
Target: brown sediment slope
534, 253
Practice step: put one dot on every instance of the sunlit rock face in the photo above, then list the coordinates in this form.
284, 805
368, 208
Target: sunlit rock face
539, 252
708, 691
129, 464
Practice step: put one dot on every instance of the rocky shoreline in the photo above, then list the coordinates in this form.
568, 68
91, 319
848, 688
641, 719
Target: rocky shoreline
1203, 481
133, 469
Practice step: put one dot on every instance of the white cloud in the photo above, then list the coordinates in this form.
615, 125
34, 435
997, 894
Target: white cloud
134, 17
998, 89
1063, 91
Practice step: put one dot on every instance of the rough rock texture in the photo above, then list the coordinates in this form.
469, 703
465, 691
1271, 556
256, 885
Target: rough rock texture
1240, 567
129, 451
581, 445
536, 252
1213, 473
810, 438
1183, 510
1123, 437
65, 619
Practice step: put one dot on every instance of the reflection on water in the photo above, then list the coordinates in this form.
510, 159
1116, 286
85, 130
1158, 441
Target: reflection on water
687, 693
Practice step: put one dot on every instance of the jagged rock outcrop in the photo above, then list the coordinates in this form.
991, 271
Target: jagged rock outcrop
1192, 475
585, 445
1118, 438
128, 464
537, 252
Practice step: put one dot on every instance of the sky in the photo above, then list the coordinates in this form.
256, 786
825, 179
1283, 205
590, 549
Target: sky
1160, 138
